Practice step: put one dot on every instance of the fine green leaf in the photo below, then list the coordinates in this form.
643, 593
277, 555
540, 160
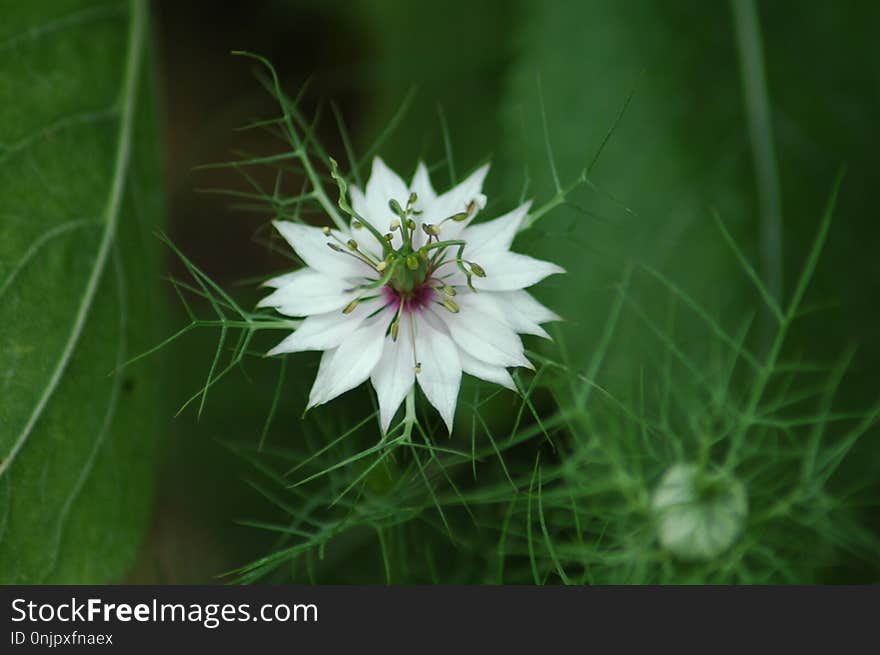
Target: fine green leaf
78, 289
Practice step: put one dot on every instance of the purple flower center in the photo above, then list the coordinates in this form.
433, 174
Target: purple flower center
413, 301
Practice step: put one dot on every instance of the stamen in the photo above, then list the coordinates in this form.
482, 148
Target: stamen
357, 225
477, 270
448, 290
381, 266
352, 244
450, 305
395, 224
396, 208
349, 308
326, 231
430, 229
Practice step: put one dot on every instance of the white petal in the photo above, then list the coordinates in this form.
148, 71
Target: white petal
324, 331
495, 235
394, 375
523, 312
351, 363
484, 337
440, 371
282, 280
484, 371
310, 244
421, 186
358, 201
456, 200
384, 185
310, 292
509, 271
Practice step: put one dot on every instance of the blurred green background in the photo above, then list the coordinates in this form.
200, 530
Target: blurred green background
680, 151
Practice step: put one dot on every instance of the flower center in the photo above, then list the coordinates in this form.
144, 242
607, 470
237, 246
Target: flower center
409, 302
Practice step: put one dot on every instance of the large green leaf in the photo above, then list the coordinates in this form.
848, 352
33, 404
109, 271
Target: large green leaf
78, 280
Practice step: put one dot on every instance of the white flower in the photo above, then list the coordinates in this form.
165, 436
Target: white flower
411, 292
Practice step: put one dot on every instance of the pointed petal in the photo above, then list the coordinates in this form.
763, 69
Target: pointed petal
324, 331
311, 245
310, 292
456, 200
495, 235
421, 186
440, 371
394, 375
524, 313
484, 337
383, 186
351, 363
358, 200
282, 280
484, 371
509, 271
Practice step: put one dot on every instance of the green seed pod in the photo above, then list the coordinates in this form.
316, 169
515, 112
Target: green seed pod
412, 262
699, 514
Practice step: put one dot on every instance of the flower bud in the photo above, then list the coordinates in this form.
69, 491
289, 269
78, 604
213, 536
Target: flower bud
699, 514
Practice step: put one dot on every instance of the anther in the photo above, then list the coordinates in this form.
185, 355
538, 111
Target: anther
352, 244
389, 236
411, 224
458, 218
395, 224
333, 246
418, 367
450, 305
394, 206
381, 266
431, 229
448, 290
326, 231
413, 198
349, 308
357, 225
395, 329
477, 270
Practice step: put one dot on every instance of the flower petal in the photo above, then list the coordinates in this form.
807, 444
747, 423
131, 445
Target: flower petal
421, 186
456, 200
483, 335
440, 370
524, 313
509, 271
324, 331
310, 244
484, 371
351, 363
394, 375
384, 185
496, 234
309, 292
